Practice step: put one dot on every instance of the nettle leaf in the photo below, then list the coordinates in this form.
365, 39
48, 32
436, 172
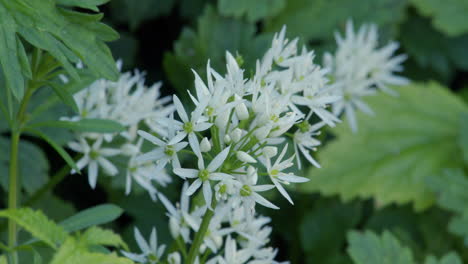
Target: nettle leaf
432, 49
75, 251
36, 223
210, 41
451, 188
67, 35
99, 236
447, 16
323, 17
254, 10
393, 152
369, 248
450, 258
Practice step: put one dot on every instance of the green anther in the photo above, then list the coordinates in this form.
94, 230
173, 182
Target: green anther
301, 77
169, 150
223, 189
304, 126
188, 127
347, 97
274, 173
235, 222
152, 258
93, 154
209, 111
280, 59
245, 191
263, 83
204, 175
274, 118
133, 169
84, 113
239, 60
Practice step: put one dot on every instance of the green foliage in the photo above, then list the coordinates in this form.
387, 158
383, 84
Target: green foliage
369, 248
36, 223
253, 10
392, 154
68, 35
134, 14
451, 189
447, 16
97, 215
463, 139
85, 125
98, 236
318, 19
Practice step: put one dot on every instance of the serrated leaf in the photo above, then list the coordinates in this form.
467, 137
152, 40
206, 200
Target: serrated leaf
447, 16
85, 125
326, 16
450, 188
409, 138
97, 215
369, 248
36, 223
99, 236
254, 10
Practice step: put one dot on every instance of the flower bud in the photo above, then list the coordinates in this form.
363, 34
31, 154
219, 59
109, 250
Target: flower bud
205, 145
262, 132
242, 112
222, 119
236, 135
244, 157
174, 258
174, 227
227, 139
270, 151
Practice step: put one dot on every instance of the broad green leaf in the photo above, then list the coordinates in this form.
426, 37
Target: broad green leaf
65, 95
85, 125
74, 251
463, 139
254, 10
319, 19
97, 215
451, 188
36, 223
450, 258
69, 160
3, 260
369, 248
99, 236
447, 16
393, 152
67, 35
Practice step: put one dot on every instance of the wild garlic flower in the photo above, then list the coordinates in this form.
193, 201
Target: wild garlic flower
131, 103
151, 253
360, 68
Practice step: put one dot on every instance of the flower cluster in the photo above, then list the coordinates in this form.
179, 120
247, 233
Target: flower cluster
360, 68
132, 104
240, 139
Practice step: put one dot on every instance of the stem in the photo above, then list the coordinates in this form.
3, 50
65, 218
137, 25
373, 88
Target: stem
13, 191
195, 248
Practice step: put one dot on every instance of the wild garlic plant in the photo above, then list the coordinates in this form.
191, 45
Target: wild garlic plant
244, 135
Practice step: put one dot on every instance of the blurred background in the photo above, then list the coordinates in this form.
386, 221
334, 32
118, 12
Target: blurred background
168, 38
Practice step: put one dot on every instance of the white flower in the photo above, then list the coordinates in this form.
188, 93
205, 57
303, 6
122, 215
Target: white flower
93, 157
304, 141
248, 192
204, 175
245, 157
277, 175
164, 153
151, 254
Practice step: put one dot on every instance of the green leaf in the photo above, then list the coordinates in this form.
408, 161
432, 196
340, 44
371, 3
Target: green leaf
97, 215
451, 188
36, 223
447, 16
394, 151
3, 260
65, 95
9, 58
254, 10
319, 19
463, 139
135, 14
74, 251
69, 160
67, 35
450, 258
85, 125
99, 236
369, 248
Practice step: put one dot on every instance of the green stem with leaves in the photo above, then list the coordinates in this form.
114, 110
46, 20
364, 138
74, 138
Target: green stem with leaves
195, 248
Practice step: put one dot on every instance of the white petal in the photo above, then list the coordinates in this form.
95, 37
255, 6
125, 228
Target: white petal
180, 109
108, 167
194, 144
292, 178
283, 191
151, 156
218, 176
92, 173
218, 160
151, 138
193, 187
259, 199
207, 193
262, 188
141, 242
186, 173
181, 135
202, 126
